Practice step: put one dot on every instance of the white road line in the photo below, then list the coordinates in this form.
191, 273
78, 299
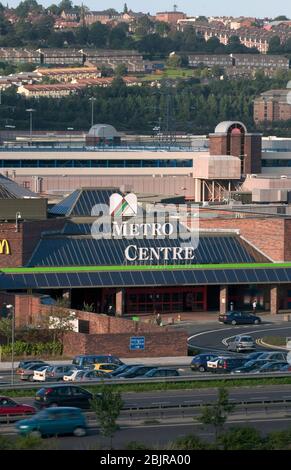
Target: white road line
225, 340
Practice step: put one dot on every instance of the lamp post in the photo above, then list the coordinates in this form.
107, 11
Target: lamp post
70, 129
92, 99
12, 316
17, 217
30, 111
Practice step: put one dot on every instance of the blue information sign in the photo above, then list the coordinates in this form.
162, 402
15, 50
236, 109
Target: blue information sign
137, 342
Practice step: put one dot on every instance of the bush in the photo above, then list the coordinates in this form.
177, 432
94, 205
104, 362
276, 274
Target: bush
239, 438
190, 442
22, 348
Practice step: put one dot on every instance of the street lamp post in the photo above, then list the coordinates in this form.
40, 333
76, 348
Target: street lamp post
17, 217
30, 111
70, 129
92, 99
12, 315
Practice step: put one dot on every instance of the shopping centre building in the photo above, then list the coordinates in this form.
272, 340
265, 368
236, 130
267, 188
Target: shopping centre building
222, 255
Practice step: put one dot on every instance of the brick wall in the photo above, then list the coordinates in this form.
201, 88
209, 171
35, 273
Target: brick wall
15, 240
158, 344
23, 242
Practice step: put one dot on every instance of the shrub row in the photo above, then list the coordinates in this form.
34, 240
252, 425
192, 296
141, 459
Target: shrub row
21, 348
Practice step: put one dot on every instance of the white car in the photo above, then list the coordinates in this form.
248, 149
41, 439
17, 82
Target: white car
214, 362
74, 376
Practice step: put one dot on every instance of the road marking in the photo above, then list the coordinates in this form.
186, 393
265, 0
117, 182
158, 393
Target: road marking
225, 340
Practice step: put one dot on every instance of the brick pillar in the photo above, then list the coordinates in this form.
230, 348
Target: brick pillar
223, 300
119, 302
274, 300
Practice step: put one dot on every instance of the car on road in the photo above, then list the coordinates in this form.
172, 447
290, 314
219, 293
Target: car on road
24, 364
239, 318
63, 395
123, 368
52, 373
250, 366
28, 373
241, 343
199, 362
54, 422
10, 407
227, 364
161, 372
134, 372
271, 367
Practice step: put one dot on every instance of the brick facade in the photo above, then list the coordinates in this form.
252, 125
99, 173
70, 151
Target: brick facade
106, 334
157, 344
23, 241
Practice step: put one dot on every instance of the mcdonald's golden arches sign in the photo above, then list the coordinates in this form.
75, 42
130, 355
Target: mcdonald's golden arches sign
5, 247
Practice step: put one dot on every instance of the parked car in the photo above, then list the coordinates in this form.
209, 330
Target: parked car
109, 367
123, 368
271, 367
63, 395
228, 364
199, 362
254, 355
212, 363
92, 375
250, 366
161, 372
28, 373
241, 343
54, 421
286, 368
11, 407
52, 373
274, 356
89, 360
72, 375
239, 318
137, 371
24, 364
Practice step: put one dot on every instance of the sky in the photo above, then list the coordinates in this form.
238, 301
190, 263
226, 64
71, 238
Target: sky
258, 8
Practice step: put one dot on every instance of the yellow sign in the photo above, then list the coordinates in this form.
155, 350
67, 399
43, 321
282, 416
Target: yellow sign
4, 247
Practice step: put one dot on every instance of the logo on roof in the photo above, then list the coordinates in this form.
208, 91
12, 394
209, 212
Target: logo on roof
123, 206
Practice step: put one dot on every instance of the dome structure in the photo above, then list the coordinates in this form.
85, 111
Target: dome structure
225, 127
103, 131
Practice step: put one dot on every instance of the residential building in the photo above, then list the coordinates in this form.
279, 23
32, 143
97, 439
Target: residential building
67, 74
273, 105
170, 17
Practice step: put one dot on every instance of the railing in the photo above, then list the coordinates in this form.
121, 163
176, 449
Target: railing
83, 148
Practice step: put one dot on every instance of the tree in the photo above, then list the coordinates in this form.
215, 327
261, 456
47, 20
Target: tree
240, 439
216, 414
281, 18
174, 61
274, 45
120, 70
107, 408
125, 9
6, 328
60, 321
98, 34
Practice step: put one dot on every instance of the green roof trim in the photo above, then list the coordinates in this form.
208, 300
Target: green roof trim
69, 269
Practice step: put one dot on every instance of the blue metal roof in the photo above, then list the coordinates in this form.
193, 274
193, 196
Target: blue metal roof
81, 201
11, 190
86, 251
176, 277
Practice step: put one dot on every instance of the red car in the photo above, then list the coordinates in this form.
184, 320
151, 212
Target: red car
11, 407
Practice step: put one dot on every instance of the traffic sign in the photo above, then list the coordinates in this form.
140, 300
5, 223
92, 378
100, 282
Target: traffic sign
137, 343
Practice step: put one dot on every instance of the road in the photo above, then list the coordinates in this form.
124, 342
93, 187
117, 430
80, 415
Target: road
215, 336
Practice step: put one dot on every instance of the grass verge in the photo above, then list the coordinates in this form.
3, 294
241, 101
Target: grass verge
274, 340
169, 386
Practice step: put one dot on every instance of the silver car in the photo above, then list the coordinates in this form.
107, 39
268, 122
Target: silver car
242, 343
